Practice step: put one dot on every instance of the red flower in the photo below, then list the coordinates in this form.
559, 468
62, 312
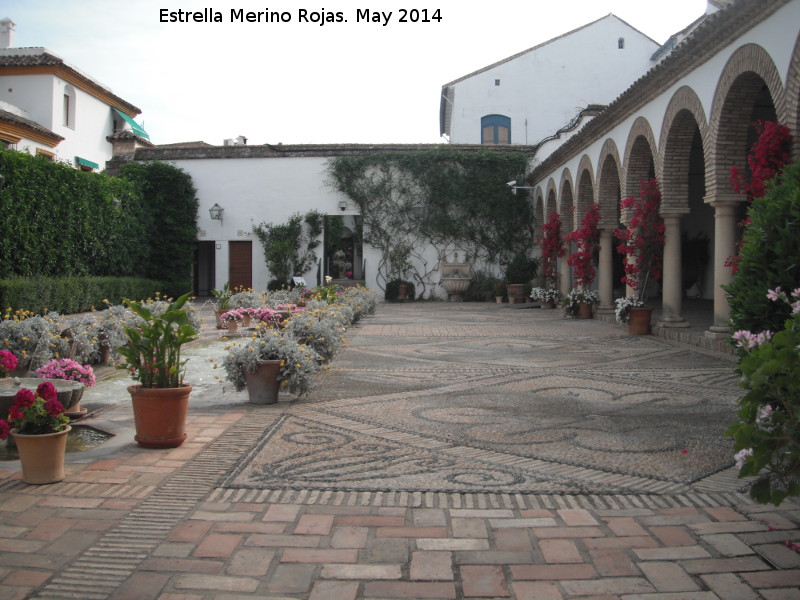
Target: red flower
23, 398
5, 429
53, 407
47, 391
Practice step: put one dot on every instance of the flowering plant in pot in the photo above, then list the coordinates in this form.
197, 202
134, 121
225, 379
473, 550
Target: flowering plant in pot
642, 246
545, 295
153, 357
69, 370
293, 365
552, 249
39, 425
622, 307
577, 297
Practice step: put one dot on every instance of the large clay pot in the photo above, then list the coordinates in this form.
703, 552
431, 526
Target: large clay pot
42, 456
402, 291
232, 325
584, 310
160, 415
263, 384
639, 320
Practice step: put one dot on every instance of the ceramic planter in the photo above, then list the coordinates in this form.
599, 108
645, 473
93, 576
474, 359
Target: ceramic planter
639, 320
584, 310
42, 456
262, 384
160, 415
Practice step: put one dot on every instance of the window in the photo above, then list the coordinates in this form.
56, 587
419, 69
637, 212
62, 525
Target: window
497, 82
68, 108
621, 43
495, 129
45, 154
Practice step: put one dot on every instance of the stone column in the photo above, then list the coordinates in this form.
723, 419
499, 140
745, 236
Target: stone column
725, 217
564, 274
605, 272
672, 290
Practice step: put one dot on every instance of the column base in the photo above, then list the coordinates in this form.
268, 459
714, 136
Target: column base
716, 332
674, 323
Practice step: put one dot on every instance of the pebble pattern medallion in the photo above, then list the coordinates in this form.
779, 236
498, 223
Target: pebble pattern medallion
482, 398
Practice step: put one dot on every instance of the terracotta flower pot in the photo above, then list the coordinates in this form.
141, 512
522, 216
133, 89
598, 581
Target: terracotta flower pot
584, 310
42, 456
263, 385
232, 326
160, 415
516, 293
639, 320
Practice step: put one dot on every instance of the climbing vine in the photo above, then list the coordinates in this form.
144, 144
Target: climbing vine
447, 199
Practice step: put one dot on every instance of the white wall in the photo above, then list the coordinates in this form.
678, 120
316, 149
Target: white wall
256, 190
543, 89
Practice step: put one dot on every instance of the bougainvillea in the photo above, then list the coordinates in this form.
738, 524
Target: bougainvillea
767, 158
642, 241
587, 242
552, 248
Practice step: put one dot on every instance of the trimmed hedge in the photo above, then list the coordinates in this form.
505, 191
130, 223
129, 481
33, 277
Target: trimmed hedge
68, 295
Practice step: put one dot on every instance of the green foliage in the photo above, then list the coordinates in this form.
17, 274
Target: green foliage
170, 206
68, 295
770, 256
522, 269
153, 351
767, 428
483, 287
289, 248
59, 221
391, 294
442, 197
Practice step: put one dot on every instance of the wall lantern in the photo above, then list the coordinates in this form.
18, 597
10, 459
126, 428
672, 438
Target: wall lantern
342, 205
216, 212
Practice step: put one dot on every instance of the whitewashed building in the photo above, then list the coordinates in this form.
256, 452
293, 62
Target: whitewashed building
50, 108
547, 90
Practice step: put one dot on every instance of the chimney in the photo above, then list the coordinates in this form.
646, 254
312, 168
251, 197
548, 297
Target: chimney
7, 27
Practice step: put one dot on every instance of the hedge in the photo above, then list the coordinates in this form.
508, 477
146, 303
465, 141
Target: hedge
68, 295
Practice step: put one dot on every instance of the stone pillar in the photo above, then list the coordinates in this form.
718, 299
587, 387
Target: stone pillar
564, 274
672, 290
725, 217
605, 272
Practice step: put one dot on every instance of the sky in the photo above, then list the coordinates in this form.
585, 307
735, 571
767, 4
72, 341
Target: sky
299, 81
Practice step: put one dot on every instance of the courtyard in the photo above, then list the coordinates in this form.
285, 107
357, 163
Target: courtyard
452, 450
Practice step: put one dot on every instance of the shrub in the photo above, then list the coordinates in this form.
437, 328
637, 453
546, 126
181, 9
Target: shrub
392, 287
770, 256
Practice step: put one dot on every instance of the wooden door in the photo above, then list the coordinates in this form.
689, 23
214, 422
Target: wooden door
240, 266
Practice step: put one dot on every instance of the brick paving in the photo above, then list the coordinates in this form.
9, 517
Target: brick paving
136, 524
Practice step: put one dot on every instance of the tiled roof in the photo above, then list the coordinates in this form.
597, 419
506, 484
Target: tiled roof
10, 117
42, 57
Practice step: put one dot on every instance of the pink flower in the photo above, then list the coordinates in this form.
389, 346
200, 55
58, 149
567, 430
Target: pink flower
5, 429
775, 294
47, 391
8, 362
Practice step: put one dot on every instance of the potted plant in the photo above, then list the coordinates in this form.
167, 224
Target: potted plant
230, 319
223, 304
40, 426
519, 273
547, 297
641, 244
153, 356
587, 244
499, 289
576, 302
69, 370
268, 361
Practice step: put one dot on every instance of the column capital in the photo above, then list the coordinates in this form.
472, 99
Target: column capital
725, 200
674, 212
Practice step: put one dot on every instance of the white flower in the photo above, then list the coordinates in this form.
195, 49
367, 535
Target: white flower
741, 455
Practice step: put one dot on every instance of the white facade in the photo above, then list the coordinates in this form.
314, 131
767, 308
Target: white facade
542, 89
77, 114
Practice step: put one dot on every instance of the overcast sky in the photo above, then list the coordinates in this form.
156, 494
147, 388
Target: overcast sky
301, 82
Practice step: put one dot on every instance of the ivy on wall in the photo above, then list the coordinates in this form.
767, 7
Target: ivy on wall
444, 198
